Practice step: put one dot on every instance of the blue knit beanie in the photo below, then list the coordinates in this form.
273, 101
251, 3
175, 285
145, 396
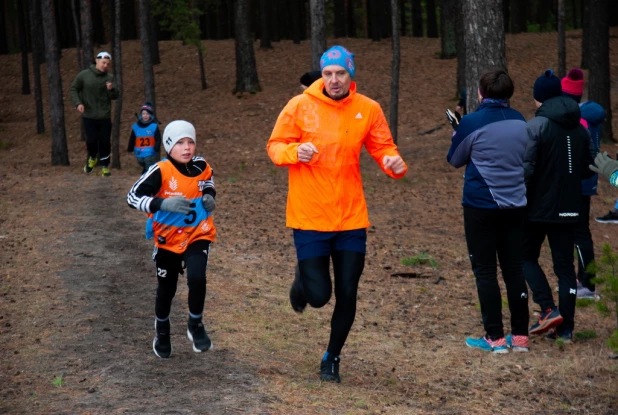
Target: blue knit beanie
338, 55
547, 86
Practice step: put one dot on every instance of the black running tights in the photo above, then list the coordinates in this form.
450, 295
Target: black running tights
317, 287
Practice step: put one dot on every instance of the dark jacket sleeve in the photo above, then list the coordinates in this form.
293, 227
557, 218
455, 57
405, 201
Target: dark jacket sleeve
141, 196
534, 128
131, 142
76, 89
588, 156
114, 93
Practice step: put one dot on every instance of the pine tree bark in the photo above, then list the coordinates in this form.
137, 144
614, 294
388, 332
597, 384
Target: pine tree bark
86, 29
318, 33
153, 40
506, 14
561, 41
598, 62
585, 33
265, 25
295, 11
59, 149
374, 19
461, 48
147, 65
78, 38
115, 34
35, 24
340, 20
23, 46
394, 107
246, 70
485, 43
432, 22
448, 21
351, 17
417, 18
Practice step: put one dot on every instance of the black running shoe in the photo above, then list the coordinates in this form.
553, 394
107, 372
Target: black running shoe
197, 334
162, 344
329, 369
611, 217
297, 297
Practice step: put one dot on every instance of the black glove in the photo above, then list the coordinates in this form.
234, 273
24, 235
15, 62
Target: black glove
209, 202
176, 204
453, 118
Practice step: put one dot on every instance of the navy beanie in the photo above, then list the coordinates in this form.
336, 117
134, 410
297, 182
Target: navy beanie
547, 86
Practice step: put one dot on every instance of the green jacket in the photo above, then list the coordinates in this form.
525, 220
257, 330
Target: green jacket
89, 89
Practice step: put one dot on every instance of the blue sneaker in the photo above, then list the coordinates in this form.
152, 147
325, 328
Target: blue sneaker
517, 343
494, 346
548, 319
566, 336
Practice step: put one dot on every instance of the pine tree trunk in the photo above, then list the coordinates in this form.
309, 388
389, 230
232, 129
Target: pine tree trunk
318, 33
485, 44
561, 41
295, 11
506, 14
417, 18
340, 27
59, 149
35, 24
265, 25
4, 46
86, 29
461, 49
598, 59
23, 46
432, 23
96, 18
115, 35
153, 41
351, 18
78, 38
448, 20
246, 70
394, 107
585, 33
200, 56
144, 30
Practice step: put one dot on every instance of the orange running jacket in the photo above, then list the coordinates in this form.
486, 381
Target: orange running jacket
326, 194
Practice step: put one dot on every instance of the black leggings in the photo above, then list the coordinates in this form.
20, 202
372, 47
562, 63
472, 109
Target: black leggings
169, 265
317, 287
98, 133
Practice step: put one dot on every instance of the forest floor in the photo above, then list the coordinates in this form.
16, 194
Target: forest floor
77, 282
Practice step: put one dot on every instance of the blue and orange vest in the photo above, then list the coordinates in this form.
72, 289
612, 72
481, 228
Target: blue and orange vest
144, 140
175, 231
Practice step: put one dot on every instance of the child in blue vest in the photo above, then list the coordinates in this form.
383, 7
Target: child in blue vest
145, 139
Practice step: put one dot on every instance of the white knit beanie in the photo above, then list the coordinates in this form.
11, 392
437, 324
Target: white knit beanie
175, 131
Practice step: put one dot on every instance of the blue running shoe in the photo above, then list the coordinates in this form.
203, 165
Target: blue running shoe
566, 336
548, 319
494, 346
517, 343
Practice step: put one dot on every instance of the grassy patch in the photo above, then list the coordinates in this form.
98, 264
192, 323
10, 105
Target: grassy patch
585, 335
58, 381
584, 302
420, 259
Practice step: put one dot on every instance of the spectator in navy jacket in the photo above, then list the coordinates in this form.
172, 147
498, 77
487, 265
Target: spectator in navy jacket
491, 143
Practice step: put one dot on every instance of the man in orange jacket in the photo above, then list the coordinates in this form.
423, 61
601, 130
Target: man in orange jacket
318, 137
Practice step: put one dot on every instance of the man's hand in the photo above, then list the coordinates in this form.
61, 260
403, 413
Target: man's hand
209, 202
176, 204
394, 163
80, 108
109, 85
604, 165
306, 152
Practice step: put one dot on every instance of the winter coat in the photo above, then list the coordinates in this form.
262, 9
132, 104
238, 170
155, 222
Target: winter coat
556, 161
90, 90
594, 114
491, 143
145, 139
326, 194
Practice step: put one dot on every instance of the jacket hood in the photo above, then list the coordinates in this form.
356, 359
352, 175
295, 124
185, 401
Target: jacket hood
97, 72
563, 110
592, 112
316, 90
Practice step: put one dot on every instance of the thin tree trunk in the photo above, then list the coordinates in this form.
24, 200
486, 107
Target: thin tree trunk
561, 41
246, 70
432, 21
59, 149
115, 34
394, 107
86, 29
35, 24
152, 39
265, 25
585, 33
23, 45
200, 56
295, 6
417, 18
318, 33
448, 21
599, 86
78, 38
340, 20
375, 20
485, 44
351, 17
144, 31
461, 48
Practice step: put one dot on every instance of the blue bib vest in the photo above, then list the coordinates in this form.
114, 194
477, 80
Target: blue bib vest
144, 140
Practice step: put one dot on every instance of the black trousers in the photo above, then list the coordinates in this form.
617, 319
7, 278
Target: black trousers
169, 265
98, 133
317, 287
491, 233
561, 241
584, 245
